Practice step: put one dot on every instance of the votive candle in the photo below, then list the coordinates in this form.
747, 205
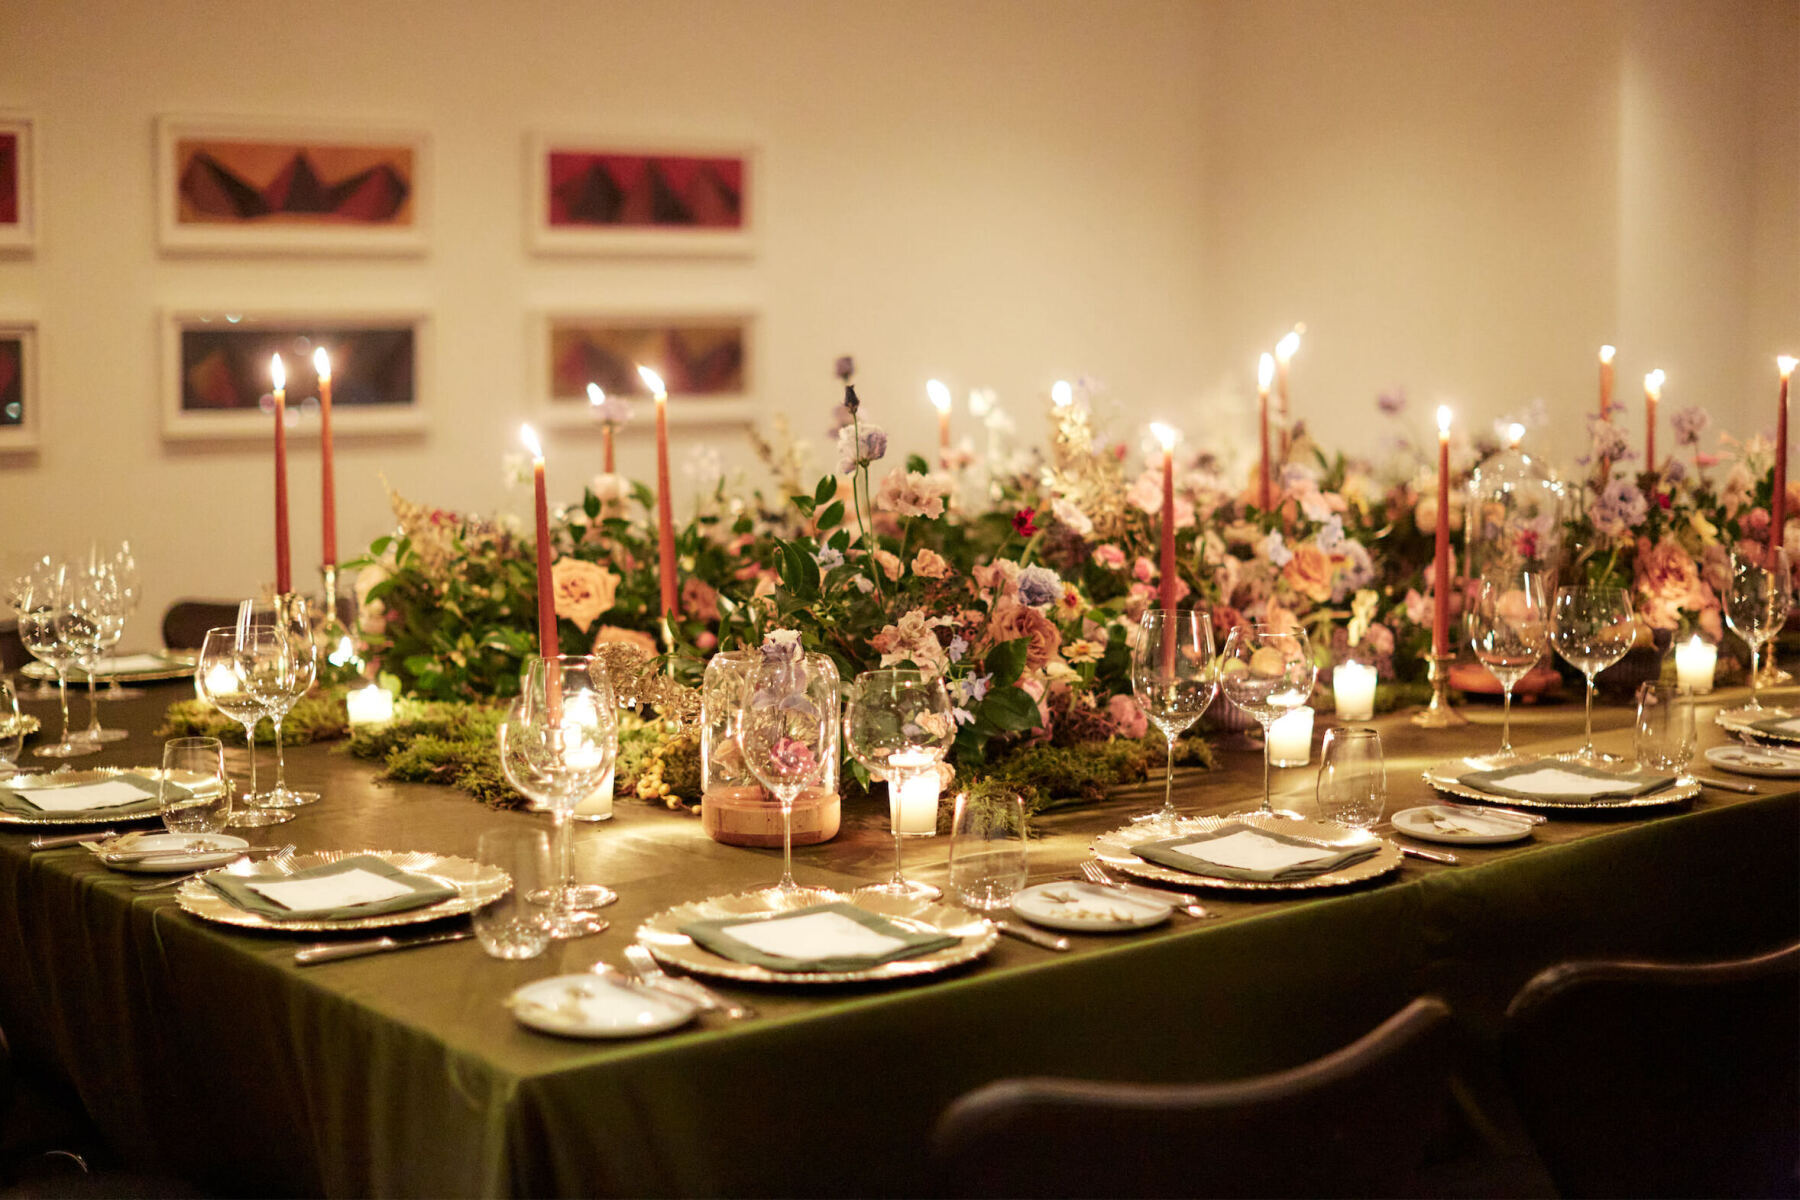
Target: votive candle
1290, 738
371, 705
1353, 690
912, 792
1695, 662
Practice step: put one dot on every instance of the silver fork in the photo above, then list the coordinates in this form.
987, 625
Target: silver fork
1183, 903
279, 860
651, 972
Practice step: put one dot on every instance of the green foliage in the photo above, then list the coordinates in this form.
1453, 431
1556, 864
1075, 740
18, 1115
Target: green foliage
316, 718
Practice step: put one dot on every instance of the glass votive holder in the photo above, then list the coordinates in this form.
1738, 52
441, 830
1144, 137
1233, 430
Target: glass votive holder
1696, 660
1290, 738
1353, 690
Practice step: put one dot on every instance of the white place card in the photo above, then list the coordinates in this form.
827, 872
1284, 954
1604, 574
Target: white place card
81, 797
355, 886
814, 935
1554, 781
1248, 850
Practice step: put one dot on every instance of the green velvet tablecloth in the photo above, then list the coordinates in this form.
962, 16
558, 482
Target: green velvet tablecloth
207, 1052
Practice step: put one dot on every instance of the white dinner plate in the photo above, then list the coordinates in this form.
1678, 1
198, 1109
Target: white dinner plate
1089, 908
1459, 830
476, 884
1446, 778
594, 1006
1114, 849
179, 853
1772, 761
1742, 726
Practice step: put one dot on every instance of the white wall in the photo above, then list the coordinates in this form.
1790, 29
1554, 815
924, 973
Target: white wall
1462, 198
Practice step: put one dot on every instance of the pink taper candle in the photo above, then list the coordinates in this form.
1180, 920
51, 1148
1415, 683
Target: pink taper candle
1778, 500
1167, 597
1440, 579
665, 519
284, 573
1265, 370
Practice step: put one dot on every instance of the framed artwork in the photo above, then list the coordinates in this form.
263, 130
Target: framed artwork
20, 418
18, 183
599, 195
216, 372
705, 358
276, 188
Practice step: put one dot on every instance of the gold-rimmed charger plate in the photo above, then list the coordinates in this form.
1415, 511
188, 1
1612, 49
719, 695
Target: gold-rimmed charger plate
662, 935
1114, 849
1741, 727
476, 884
1444, 777
28, 725
175, 664
86, 816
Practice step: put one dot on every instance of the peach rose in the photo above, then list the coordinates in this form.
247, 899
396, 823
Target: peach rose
582, 589
1309, 572
611, 634
929, 564
1668, 580
1127, 716
889, 563
1010, 620
1110, 557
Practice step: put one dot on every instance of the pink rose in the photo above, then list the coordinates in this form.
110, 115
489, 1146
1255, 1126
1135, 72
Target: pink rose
699, 599
1110, 557
1127, 716
1668, 583
1143, 570
613, 634
1010, 620
707, 640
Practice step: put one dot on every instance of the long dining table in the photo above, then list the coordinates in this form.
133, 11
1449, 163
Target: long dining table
206, 1051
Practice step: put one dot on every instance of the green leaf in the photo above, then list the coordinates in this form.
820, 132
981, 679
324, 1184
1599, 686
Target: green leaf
1006, 662
832, 517
590, 504
826, 490
1012, 709
917, 465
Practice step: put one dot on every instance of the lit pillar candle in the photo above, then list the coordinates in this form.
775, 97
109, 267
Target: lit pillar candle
1695, 661
1166, 437
912, 792
1653, 384
1607, 354
284, 576
1285, 349
1062, 394
1290, 738
596, 398
370, 705
940, 400
665, 518
1440, 580
1778, 501
1353, 690
327, 472
549, 646
1265, 372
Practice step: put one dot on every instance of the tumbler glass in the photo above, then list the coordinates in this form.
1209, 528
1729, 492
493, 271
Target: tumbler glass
987, 849
517, 925
1664, 734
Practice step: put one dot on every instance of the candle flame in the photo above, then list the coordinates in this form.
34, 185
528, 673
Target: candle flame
654, 382
1061, 394
1606, 354
322, 364
1786, 363
1444, 419
1515, 433
596, 397
1696, 642
1288, 346
940, 395
530, 438
1166, 435
1265, 372
1653, 384
278, 373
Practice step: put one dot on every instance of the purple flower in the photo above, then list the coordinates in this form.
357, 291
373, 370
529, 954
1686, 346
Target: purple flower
829, 557
1331, 535
1393, 402
781, 646
1039, 586
1277, 549
1620, 507
959, 646
972, 689
845, 367
1673, 471
854, 451
1607, 440
1689, 424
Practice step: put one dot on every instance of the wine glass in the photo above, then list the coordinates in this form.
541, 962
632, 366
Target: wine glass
286, 664
222, 680
1352, 787
557, 745
1268, 673
54, 639
897, 724
1756, 607
97, 612
41, 688
1592, 627
1509, 628
785, 734
12, 728
1173, 677
124, 568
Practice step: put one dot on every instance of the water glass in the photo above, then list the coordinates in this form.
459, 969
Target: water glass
193, 791
1352, 777
1664, 734
987, 849
517, 925
12, 727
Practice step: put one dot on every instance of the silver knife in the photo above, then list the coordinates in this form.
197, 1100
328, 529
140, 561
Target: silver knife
332, 951
1727, 785
1509, 814
651, 972
1031, 935
1436, 856
71, 839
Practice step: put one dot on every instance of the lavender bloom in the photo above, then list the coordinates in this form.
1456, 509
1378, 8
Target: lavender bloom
1393, 403
1608, 440
781, 646
959, 646
1277, 549
1620, 507
829, 557
1689, 424
854, 452
1294, 475
845, 367
971, 690
1331, 535
1039, 586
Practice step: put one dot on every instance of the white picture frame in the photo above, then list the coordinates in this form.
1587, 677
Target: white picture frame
18, 183
19, 385
551, 227
634, 335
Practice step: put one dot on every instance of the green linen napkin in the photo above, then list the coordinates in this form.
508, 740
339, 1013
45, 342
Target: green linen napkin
1187, 853
1780, 726
18, 805
421, 891
1559, 780
821, 937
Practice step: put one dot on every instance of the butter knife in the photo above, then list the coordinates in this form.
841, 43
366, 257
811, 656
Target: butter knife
1436, 856
1031, 935
332, 951
71, 839
651, 972
1726, 785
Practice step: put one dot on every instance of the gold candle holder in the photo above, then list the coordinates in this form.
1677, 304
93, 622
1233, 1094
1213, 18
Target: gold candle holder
1438, 714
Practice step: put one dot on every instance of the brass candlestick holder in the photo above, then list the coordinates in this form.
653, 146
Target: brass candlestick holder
1438, 714
337, 653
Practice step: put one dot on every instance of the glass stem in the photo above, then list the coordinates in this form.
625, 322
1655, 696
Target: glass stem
1506, 720
280, 758
93, 709
62, 694
1755, 656
565, 856
899, 881
1268, 805
1587, 747
250, 745
1168, 808
787, 842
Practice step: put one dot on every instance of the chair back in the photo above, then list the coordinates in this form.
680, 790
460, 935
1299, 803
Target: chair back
1355, 1122
1661, 1079
185, 623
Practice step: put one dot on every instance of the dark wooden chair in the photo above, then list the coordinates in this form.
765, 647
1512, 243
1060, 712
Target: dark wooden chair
185, 622
1355, 1122
1661, 1079
13, 654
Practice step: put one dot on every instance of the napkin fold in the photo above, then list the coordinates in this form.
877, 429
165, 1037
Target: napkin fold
1784, 726
119, 796
1252, 854
359, 886
1563, 781
821, 937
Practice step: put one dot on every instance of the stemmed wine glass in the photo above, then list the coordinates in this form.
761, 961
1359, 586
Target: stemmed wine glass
41, 688
1756, 607
1267, 673
897, 724
1592, 627
785, 734
97, 620
12, 728
1173, 677
286, 662
557, 744
1509, 628
54, 639
222, 679
124, 569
